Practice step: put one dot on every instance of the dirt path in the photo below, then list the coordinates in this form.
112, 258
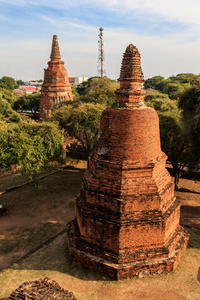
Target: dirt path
40, 212
189, 196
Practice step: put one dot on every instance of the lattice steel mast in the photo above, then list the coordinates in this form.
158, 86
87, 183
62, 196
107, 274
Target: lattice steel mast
100, 69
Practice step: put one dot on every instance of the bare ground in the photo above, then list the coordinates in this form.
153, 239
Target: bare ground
36, 214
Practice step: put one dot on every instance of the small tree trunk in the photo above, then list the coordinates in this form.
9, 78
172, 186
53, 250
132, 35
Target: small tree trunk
176, 180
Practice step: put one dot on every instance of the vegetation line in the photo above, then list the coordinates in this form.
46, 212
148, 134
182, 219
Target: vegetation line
12, 188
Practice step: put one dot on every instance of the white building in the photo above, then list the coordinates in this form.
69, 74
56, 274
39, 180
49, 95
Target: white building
77, 80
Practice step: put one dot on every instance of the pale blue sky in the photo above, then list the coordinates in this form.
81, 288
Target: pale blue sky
166, 33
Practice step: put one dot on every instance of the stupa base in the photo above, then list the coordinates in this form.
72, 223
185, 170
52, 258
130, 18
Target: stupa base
84, 255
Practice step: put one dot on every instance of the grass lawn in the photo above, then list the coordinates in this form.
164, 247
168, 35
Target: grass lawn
53, 261
36, 214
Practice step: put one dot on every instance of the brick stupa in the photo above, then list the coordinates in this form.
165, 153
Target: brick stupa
56, 87
127, 217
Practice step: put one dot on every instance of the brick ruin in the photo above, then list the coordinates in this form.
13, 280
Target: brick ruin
127, 217
41, 289
56, 87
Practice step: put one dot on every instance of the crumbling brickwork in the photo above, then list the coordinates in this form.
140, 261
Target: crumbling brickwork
127, 217
45, 289
56, 87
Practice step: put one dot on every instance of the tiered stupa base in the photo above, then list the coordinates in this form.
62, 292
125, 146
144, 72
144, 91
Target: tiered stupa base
157, 260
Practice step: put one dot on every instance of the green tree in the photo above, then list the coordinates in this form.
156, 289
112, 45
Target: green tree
171, 131
81, 121
20, 82
74, 92
173, 85
173, 90
189, 78
5, 107
8, 96
8, 83
98, 90
159, 101
189, 102
31, 145
173, 142
156, 83
28, 102
7, 114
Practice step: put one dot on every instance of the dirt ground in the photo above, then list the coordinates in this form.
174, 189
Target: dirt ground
35, 214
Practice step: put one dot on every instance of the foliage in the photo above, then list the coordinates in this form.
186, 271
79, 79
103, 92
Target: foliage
28, 102
81, 88
171, 130
5, 107
185, 78
159, 101
74, 92
179, 125
81, 121
31, 146
98, 90
189, 102
173, 90
81, 118
8, 83
20, 82
7, 114
174, 85
7, 95
173, 142
155, 83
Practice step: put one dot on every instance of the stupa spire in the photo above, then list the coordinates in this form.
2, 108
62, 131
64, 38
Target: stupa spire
56, 87
131, 79
55, 51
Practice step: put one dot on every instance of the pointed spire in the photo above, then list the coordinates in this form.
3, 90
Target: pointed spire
131, 70
55, 52
131, 78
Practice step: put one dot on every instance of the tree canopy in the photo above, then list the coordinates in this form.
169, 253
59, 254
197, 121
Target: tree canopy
7, 95
172, 86
32, 146
189, 102
8, 83
81, 121
171, 130
98, 90
28, 102
178, 107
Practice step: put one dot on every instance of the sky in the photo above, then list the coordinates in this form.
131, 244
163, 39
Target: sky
166, 33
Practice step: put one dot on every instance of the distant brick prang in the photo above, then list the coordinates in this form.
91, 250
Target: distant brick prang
45, 289
56, 87
127, 217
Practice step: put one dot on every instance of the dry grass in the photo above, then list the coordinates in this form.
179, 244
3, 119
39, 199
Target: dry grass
53, 261
35, 214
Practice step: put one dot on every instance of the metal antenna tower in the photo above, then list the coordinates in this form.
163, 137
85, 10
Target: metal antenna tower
100, 70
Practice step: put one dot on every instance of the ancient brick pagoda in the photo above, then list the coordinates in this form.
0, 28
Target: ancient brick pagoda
56, 86
127, 217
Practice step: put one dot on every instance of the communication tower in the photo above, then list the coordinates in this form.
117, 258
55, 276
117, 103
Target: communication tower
100, 69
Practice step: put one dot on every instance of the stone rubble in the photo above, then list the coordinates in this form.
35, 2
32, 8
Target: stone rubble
42, 289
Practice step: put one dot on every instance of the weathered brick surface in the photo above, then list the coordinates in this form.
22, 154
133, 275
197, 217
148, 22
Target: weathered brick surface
45, 289
56, 87
127, 217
